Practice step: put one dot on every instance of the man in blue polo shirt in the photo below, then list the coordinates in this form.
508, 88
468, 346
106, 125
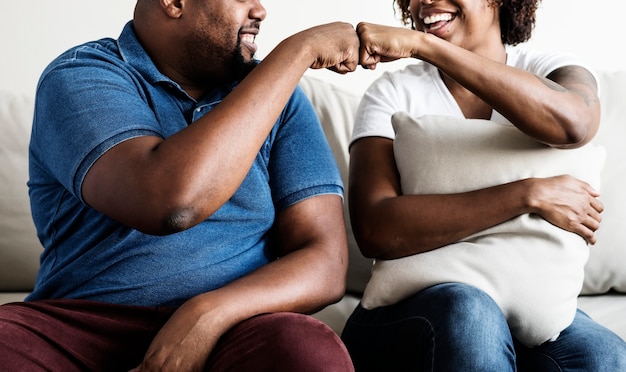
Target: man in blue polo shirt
189, 205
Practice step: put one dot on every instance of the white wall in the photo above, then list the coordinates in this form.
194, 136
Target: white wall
35, 31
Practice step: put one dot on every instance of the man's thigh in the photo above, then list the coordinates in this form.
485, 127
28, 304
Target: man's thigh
280, 342
76, 335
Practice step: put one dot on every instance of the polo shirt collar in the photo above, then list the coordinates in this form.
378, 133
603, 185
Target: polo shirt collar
135, 55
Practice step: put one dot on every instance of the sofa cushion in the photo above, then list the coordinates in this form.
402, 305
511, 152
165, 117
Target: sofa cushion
336, 108
19, 246
606, 268
525, 263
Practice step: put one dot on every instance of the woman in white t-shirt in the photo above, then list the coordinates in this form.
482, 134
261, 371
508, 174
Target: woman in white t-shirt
468, 66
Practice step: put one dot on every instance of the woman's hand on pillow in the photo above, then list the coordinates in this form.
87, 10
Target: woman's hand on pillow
568, 203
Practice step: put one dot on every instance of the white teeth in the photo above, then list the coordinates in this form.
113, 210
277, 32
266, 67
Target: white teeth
248, 38
437, 18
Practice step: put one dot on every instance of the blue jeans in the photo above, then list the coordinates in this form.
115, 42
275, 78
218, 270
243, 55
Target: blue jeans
457, 327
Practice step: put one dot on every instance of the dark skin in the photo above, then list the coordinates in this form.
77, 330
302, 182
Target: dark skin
470, 56
161, 186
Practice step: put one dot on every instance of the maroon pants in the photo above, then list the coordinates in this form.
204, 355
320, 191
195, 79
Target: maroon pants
78, 335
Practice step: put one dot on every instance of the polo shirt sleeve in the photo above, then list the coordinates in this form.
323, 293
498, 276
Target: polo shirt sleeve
301, 163
85, 105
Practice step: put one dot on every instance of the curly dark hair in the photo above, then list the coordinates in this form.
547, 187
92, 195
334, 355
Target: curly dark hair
517, 18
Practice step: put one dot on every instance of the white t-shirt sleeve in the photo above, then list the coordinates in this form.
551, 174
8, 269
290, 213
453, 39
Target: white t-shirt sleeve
374, 112
416, 89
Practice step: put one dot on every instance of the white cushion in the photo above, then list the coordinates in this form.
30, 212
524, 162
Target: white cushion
19, 246
531, 268
336, 109
606, 268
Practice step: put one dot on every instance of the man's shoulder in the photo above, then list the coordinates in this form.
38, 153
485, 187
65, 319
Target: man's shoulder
97, 52
96, 49
101, 52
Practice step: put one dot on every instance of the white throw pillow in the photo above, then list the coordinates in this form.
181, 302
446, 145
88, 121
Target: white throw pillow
531, 268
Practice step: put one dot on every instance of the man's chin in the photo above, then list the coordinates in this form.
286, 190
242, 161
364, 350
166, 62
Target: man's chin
242, 70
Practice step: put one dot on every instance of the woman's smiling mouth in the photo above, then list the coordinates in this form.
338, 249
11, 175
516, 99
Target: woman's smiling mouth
436, 22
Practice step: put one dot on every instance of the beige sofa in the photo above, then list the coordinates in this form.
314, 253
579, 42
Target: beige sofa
605, 272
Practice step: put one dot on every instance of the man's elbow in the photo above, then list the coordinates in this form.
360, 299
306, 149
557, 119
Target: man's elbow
169, 222
179, 220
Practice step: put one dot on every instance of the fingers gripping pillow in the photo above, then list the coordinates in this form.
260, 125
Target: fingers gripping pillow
531, 268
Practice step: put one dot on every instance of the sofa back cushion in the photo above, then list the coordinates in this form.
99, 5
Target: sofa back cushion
19, 246
606, 268
336, 109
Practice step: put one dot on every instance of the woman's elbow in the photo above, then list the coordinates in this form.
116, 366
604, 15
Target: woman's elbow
575, 129
577, 135
374, 243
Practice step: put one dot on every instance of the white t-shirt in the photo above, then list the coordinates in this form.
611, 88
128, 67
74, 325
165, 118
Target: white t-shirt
419, 90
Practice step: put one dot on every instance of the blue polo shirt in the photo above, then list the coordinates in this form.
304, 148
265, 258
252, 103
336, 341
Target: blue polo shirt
95, 96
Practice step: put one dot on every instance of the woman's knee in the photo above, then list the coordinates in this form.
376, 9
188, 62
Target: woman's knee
466, 308
448, 327
470, 320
